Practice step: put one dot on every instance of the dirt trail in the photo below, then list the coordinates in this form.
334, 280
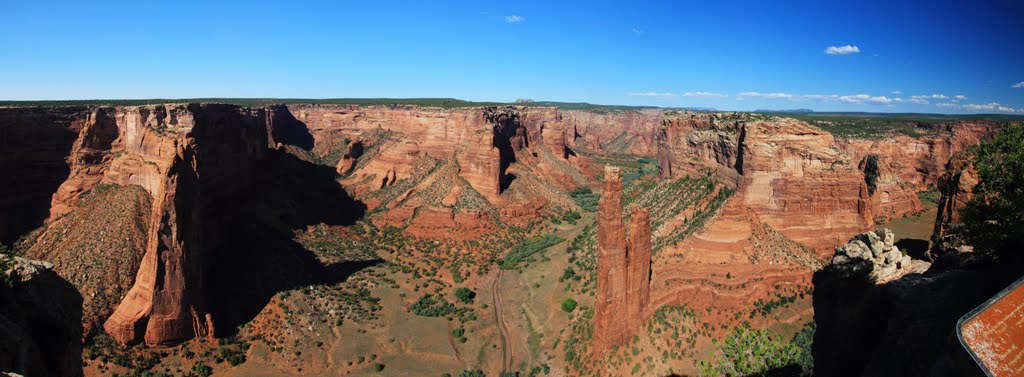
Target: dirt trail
502, 328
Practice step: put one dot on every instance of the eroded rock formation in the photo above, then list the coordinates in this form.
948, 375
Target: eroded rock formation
623, 267
956, 187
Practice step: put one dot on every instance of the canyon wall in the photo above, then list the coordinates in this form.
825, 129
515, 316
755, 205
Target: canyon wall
787, 172
910, 164
956, 187
623, 267
211, 160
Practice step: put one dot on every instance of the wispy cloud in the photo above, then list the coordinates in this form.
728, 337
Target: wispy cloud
959, 97
918, 101
1018, 85
514, 18
897, 92
864, 98
991, 106
842, 50
638, 30
705, 94
652, 94
767, 95
936, 96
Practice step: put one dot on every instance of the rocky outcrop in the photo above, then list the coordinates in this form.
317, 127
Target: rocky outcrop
872, 256
40, 320
623, 267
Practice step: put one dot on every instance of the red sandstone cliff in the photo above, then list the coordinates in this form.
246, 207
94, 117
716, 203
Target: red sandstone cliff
623, 267
787, 172
909, 164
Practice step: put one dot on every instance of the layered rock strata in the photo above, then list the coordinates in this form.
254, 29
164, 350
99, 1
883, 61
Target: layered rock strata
623, 267
910, 164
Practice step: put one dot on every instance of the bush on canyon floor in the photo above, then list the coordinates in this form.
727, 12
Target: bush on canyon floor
525, 250
991, 219
465, 295
429, 306
472, 373
585, 198
568, 305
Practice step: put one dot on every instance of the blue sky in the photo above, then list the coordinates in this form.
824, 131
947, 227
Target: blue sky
736, 55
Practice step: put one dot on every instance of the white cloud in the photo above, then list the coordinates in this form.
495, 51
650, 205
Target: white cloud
864, 98
933, 96
638, 31
842, 50
652, 94
1018, 85
767, 95
949, 105
897, 92
991, 106
919, 101
704, 94
959, 97
514, 18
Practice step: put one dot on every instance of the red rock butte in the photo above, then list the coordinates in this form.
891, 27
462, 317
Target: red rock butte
623, 267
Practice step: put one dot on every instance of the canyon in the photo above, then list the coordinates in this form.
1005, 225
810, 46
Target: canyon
187, 224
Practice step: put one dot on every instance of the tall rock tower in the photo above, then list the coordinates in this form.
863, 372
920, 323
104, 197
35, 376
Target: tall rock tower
623, 267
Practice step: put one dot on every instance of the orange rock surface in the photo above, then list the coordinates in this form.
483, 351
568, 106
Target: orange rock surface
623, 267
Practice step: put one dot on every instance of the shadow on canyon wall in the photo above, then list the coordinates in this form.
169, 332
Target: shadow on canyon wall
34, 143
41, 327
255, 255
906, 327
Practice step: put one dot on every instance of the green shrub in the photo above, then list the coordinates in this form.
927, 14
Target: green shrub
472, 373
568, 305
992, 218
200, 369
465, 295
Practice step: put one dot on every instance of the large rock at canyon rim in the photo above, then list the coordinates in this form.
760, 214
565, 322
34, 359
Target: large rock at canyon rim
873, 256
40, 321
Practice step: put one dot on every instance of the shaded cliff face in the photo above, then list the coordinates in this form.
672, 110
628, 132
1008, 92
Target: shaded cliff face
34, 143
211, 161
904, 327
159, 187
40, 322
